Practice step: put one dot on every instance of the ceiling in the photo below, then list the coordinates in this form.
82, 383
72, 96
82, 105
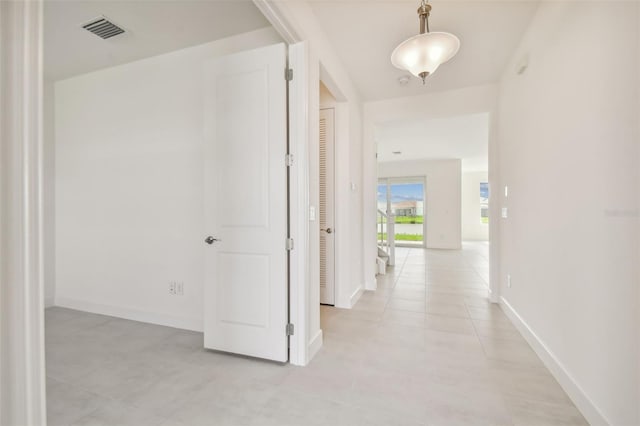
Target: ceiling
152, 28
465, 137
365, 33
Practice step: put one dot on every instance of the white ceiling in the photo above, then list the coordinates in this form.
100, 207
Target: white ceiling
153, 28
365, 33
465, 137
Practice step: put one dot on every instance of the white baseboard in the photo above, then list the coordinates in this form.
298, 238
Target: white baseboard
185, 323
315, 345
355, 296
588, 409
49, 302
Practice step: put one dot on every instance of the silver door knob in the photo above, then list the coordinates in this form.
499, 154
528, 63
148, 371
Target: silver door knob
210, 240
328, 230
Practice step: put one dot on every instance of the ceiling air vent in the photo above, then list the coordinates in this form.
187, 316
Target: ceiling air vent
103, 28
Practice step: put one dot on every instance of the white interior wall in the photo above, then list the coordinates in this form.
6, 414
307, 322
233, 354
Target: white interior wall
49, 179
129, 184
471, 100
472, 227
569, 155
443, 196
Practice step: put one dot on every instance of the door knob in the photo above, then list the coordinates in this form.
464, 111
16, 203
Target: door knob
211, 240
328, 230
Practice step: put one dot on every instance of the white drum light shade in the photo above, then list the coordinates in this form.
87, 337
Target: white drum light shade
424, 53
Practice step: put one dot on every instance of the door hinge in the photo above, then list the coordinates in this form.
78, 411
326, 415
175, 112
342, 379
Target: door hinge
289, 244
288, 74
289, 329
288, 159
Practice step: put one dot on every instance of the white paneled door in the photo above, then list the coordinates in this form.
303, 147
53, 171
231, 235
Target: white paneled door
245, 297
327, 211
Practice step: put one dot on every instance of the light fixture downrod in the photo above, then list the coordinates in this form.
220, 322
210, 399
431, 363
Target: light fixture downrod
423, 13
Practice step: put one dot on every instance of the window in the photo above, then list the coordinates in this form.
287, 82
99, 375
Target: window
484, 202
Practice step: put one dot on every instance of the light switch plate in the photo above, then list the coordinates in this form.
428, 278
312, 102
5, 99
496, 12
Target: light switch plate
505, 213
312, 212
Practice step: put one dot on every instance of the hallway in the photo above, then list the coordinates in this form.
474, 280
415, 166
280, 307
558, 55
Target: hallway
425, 349
428, 346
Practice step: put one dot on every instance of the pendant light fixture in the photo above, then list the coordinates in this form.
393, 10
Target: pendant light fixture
422, 54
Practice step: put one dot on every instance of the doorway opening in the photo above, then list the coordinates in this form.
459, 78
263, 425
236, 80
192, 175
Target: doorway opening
432, 188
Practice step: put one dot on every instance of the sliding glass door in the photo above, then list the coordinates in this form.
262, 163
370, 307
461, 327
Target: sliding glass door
405, 199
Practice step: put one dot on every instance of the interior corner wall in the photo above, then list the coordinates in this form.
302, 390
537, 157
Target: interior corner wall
129, 185
569, 152
472, 227
443, 197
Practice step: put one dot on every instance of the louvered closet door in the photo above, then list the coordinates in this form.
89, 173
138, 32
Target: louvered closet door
327, 232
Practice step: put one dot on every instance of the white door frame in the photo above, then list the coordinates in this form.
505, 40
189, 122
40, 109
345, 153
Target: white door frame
22, 373
299, 288
304, 290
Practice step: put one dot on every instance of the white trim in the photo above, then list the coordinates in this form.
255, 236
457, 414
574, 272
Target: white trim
49, 302
185, 323
299, 202
342, 270
272, 12
495, 201
356, 296
299, 179
22, 369
586, 406
315, 344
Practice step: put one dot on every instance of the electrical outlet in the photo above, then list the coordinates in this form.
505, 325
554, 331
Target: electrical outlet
172, 288
509, 280
180, 289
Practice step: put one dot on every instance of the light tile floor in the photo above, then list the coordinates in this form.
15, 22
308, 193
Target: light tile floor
425, 349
